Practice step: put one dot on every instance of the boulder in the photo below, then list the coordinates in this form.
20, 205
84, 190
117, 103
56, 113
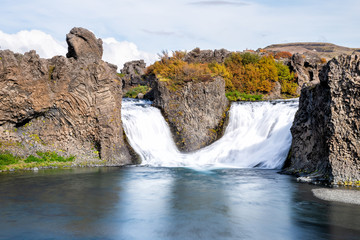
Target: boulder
133, 74
326, 128
195, 111
68, 105
206, 56
307, 68
83, 44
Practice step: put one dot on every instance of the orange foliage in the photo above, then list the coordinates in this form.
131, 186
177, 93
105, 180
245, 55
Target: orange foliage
283, 54
243, 72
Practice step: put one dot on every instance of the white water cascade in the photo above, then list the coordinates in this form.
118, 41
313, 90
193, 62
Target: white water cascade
258, 135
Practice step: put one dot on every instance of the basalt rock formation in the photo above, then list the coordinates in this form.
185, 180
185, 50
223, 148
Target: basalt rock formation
326, 129
206, 56
69, 105
195, 111
307, 68
133, 73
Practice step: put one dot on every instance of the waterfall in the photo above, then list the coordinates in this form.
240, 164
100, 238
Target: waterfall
258, 135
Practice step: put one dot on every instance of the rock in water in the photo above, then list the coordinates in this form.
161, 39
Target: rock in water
195, 111
326, 129
68, 105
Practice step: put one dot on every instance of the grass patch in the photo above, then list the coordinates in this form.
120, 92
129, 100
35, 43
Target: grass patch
43, 159
120, 74
132, 93
7, 159
238, 96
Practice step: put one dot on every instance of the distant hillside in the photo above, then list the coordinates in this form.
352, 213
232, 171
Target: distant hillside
325, 50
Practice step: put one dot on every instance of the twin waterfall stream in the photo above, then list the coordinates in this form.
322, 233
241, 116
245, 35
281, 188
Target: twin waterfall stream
258, 135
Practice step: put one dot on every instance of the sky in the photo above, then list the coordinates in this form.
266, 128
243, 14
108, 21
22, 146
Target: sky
140, 29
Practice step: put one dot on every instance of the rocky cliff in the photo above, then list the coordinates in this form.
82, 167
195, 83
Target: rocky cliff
195, 111
206, 56
326, 129
69, 105
133, 74
307, 68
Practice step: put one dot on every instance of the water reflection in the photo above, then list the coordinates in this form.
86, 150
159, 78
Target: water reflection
330, 220
168, 203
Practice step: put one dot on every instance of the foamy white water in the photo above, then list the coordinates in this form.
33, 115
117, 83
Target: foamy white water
258, 135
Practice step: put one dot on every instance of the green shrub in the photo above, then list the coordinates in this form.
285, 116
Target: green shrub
132, 93
53, 157
31, 158
237, 96
7, 159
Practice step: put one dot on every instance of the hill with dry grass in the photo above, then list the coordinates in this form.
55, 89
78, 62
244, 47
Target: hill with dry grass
322, 50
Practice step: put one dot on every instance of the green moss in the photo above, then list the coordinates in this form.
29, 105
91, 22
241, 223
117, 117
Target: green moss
237, 96
120, 74
9, 161
51, 70
132, 93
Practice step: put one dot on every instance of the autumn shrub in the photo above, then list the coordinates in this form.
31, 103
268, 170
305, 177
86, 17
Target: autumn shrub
244, 73
286, 79
282, 54
175, 69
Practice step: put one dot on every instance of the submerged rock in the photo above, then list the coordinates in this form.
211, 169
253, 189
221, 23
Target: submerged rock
68, 105
326, 129
195, 111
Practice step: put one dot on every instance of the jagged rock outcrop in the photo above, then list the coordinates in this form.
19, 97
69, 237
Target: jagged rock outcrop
206, 56
307, 68
68, 105
326, 129
133, 73
195, 111
83, 44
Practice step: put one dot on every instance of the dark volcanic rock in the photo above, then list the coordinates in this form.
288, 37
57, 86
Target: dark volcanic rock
83, 44
307, 67
326, 129
195, 111
68, 105
133, 74
206, 56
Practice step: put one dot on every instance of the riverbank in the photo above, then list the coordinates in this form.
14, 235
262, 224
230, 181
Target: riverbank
338, 195
43, 160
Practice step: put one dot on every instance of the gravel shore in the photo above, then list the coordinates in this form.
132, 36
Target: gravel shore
338, 195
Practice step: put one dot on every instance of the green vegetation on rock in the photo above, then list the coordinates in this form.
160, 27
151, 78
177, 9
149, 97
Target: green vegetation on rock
133, 92
238, 96
9, 161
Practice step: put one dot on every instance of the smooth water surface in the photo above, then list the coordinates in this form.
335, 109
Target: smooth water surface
168, 203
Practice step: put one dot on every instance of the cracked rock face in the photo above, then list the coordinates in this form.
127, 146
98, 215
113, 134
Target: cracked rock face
195, 112
83, 44
68, 105
326, 129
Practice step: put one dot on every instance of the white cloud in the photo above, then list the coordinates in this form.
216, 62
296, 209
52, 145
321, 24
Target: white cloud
46, 46
121, 52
